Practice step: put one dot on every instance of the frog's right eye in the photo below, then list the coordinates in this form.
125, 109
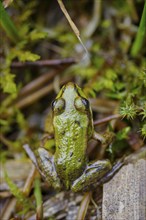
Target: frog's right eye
58, 106
81, 104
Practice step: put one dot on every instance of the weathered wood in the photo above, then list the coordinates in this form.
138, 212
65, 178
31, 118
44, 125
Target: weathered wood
124, 196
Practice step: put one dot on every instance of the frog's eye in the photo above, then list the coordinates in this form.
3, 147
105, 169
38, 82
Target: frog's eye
58, 106
81, 104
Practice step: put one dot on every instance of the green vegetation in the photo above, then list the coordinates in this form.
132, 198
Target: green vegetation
40, 52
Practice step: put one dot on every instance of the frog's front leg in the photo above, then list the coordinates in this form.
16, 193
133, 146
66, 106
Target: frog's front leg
46, 165
93, 172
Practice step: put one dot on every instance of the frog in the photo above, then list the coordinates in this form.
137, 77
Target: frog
69, 168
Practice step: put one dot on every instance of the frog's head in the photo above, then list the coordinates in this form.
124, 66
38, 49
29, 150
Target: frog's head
70, 98
72, 105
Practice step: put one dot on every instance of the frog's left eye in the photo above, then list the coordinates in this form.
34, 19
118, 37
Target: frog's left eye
81, 104
58, 106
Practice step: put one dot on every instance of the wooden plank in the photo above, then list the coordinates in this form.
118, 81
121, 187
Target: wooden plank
124, 196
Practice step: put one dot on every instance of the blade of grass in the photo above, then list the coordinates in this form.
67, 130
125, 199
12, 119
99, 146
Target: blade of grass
93, 24
84, 206
141, 34
74, 27
38, 196
8, 25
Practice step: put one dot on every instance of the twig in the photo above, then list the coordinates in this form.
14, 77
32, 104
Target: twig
37, 83
30, 99
31, 154
7, 211
72, 24
29, 181
109, 118
40, 63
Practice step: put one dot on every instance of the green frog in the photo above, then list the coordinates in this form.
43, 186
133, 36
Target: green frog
73, 127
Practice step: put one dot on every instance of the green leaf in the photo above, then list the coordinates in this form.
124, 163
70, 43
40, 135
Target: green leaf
123, 134
3, 122
143, 130
20, 119
8, 84
36, 35
27, 56
111, 74
128, 110
8, 25
143, 112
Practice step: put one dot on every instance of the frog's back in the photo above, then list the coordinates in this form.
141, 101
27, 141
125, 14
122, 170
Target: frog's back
71, 145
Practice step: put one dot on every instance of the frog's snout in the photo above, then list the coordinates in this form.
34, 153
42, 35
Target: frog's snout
70, 85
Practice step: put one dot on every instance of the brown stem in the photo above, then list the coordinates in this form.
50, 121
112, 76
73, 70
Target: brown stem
40, 63
104, 120
37, 83
30, 99
84, 205
29, 181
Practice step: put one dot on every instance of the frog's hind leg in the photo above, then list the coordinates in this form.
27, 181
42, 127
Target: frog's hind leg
47, 169
93, 172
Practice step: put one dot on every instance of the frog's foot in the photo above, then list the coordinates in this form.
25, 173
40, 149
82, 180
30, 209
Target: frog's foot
93, 172
111, 172
46, 165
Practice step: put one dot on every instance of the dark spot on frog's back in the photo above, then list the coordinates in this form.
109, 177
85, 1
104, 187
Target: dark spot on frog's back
63, 132
77, 122
71, 154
